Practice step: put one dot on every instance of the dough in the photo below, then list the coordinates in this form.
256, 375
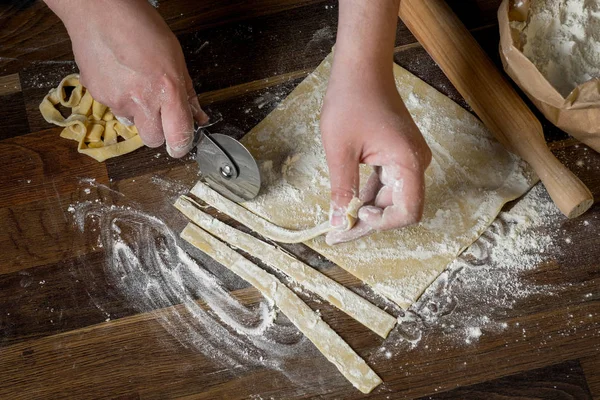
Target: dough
91, 123
470, 178
264, 227
257, 224
333, 347
355, 306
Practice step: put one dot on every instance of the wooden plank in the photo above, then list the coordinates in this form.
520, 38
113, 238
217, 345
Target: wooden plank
565, 380
591, 369
253, 86
9, 84
14, 116
183, 16
37, 79
35, 305
475, 14
74, 364
42, 165
271, 45
113, 354
584, 162
30, 32
146, 160
34, 234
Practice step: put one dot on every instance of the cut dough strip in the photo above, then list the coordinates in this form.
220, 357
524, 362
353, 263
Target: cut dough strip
347, 301
259, 224
91, 123
331, 345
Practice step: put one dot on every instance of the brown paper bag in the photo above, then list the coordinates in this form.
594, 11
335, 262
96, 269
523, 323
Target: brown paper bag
578, 114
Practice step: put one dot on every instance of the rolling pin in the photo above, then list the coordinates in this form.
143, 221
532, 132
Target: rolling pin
492, 98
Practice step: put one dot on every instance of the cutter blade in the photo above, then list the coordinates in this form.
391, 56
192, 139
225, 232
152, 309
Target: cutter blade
229, 169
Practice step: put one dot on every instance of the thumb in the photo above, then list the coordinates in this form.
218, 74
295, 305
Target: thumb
178, 126
344, 177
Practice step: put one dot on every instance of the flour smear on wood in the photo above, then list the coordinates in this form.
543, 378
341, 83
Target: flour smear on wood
148, 268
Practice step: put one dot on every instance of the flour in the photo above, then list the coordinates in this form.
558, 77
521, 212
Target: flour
562, 39
488, 277
146, 265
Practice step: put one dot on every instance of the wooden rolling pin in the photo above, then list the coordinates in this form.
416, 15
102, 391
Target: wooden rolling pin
492, 97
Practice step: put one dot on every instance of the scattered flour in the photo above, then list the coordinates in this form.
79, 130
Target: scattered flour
473, 334
146, 265
562, 39
488, 277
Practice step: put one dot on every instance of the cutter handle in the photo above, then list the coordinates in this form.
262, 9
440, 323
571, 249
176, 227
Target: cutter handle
492, 97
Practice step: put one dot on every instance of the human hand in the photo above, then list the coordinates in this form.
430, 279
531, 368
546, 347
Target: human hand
130, 61
365, 121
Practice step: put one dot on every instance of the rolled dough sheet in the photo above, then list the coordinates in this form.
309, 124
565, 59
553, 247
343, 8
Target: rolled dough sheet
470, 178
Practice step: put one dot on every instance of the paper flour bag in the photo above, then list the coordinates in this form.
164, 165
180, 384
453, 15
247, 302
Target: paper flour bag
562, 80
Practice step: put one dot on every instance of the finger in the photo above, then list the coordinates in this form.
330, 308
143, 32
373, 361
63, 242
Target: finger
177, 123
149, 127
407, 209
369, 192
197, 113
385, 197
339, 236
370, 215
344, 177
127, 121
391, 177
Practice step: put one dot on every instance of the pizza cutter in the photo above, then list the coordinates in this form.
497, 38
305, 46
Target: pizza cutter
226, 165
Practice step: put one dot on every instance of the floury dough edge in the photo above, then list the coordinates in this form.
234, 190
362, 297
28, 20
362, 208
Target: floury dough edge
470, 178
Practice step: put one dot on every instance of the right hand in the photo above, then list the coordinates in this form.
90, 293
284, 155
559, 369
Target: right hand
130, 61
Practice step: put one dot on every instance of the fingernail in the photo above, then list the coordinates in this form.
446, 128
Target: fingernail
178, 152
204, 116
369, 214
337, 217
124, 120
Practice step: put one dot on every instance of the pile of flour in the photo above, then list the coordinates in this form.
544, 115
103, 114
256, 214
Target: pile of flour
562, 39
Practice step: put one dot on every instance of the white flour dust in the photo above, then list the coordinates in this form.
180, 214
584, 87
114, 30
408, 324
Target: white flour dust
562, 39
145, 264
488, 277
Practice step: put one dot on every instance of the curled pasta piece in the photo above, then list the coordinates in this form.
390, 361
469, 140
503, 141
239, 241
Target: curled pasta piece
90, 123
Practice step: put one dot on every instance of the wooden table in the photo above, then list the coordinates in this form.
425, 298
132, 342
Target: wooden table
66, 331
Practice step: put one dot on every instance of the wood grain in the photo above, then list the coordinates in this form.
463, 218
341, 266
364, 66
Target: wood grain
591, 369
58, 291
15, 122
238, 90
41, 166
565, 380
9, 84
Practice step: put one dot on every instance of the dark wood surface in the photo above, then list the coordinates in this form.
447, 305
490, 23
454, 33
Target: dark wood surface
66, 331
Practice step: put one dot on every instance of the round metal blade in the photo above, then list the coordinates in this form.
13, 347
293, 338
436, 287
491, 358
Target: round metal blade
247, 184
